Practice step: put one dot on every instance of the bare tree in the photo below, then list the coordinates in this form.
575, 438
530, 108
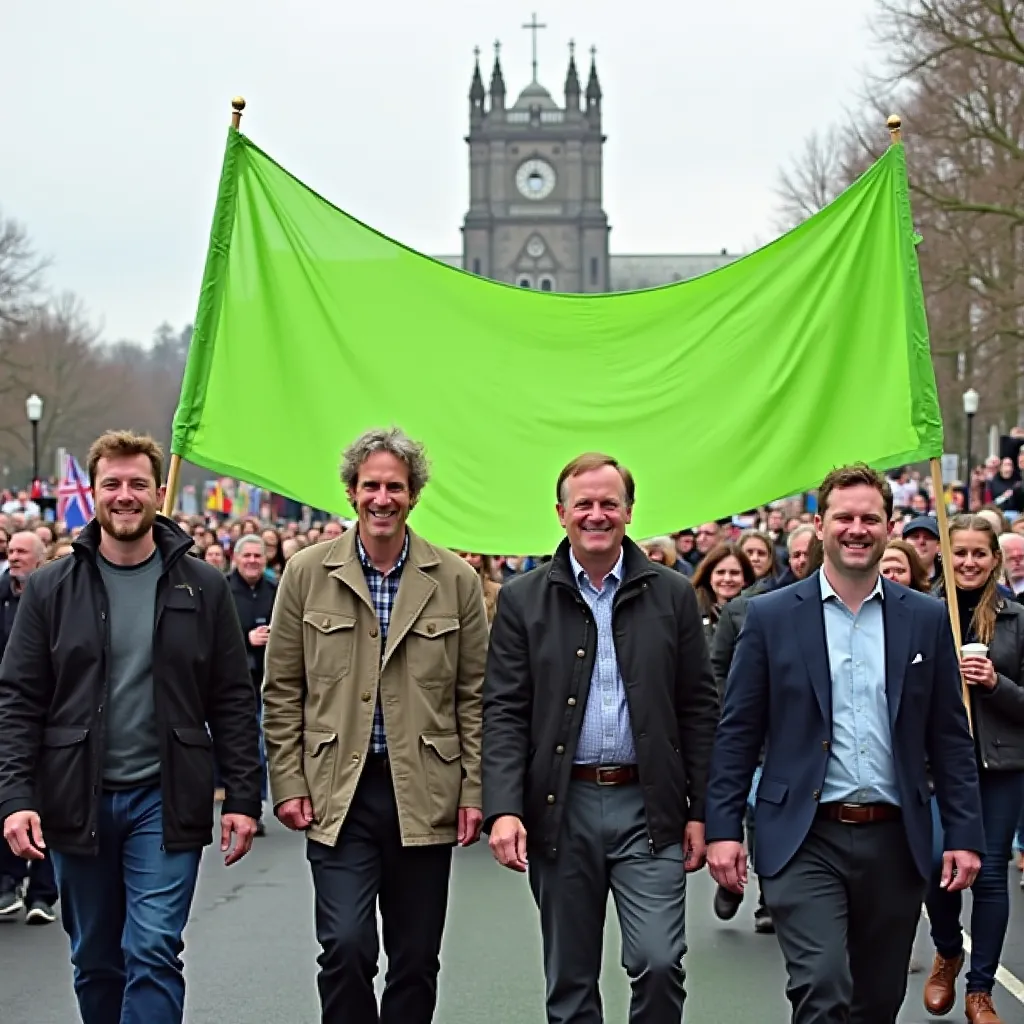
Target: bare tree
953, 70
21, 271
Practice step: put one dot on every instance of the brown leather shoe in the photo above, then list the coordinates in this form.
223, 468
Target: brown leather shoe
980, 1009
940, 988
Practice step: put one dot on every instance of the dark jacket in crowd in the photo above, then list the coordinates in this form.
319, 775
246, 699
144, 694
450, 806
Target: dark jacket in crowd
539, 666
53, 687
255, 606
998, 714
730, 622
8, 608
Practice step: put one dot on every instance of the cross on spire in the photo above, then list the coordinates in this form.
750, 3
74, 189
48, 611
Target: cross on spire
533, 25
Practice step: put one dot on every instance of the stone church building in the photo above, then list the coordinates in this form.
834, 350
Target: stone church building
536, 214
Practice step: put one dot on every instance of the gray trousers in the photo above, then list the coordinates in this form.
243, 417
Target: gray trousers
603, 846
845, 910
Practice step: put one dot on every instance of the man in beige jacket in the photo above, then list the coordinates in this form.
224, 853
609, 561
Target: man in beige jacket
373, 725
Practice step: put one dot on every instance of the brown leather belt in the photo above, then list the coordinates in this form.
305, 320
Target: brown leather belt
859, 814
606, 775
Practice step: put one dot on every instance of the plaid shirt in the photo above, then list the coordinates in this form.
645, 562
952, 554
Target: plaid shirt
383, 592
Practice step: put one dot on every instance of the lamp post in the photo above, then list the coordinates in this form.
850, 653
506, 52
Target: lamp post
971, 401
34, 410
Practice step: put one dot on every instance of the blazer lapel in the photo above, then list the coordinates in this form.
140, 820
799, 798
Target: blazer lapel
897, 617
810, 626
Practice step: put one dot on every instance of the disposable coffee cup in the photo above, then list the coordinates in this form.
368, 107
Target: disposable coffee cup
974, 650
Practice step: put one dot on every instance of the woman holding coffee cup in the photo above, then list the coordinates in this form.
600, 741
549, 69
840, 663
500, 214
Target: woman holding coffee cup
992, 663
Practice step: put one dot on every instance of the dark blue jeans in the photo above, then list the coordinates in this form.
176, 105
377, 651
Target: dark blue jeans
124, 911
1002, 795
42, 888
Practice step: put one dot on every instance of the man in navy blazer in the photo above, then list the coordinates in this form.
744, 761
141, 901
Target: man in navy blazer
852, 683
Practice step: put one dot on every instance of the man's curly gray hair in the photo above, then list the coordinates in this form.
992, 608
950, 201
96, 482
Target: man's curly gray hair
394, 441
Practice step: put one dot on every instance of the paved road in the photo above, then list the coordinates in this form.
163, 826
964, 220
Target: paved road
251, 956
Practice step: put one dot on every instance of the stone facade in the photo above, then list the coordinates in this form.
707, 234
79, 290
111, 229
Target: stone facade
536, 217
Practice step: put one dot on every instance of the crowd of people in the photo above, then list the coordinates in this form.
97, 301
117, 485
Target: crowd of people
380, 694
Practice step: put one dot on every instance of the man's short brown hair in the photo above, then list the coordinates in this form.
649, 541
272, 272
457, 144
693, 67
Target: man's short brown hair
123, 444
595, 460
853, 476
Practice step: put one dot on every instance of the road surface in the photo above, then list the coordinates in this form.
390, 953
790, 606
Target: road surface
250, 953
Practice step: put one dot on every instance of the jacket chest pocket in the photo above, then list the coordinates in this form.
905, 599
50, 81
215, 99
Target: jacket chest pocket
432, 649
328, 639
179, 622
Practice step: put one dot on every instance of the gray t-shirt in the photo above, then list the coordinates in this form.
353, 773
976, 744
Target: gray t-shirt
132, 753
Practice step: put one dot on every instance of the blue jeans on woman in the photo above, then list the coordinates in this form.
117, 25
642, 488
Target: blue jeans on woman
125, 910
1002, 796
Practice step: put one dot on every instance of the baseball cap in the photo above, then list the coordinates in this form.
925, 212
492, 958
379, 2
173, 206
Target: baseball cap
926, 523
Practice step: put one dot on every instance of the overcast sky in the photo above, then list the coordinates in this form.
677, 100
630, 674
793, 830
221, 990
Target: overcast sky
114, 114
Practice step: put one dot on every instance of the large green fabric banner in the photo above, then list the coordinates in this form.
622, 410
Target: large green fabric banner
719, 393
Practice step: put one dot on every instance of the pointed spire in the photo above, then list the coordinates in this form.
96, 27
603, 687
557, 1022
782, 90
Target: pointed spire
497, 80
572, 81
476, 89
593, 85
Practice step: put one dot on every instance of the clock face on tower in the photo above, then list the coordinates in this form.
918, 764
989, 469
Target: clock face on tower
535, 179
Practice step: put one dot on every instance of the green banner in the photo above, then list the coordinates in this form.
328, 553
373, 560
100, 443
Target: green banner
720, 393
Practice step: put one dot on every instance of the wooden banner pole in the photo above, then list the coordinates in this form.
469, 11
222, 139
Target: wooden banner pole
895, 126
174, 470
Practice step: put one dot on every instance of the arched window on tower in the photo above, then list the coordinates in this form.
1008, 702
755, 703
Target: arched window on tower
547, 284
525, 281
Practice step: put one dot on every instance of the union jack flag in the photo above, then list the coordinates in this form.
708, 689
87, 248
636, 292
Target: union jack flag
75, 506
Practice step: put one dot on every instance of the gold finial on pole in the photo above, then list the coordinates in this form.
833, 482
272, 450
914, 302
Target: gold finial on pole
895, 125
237, 106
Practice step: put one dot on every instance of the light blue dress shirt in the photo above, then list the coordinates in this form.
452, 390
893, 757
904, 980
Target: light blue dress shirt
860, 765
606, 736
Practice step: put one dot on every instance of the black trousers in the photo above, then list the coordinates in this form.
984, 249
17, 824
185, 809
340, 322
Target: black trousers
845, 910
42, 886
369, 864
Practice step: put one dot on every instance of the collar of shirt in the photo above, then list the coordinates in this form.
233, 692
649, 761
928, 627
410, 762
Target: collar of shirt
827, 590
367, 563
578, 571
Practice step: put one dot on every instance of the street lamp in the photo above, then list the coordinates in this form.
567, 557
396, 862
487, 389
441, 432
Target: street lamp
34, 410
971, 401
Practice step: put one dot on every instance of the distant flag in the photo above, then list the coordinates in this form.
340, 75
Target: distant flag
75, 506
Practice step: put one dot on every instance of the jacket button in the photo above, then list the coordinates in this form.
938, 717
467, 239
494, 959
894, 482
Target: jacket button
559, 749
327, 622
355, 758
366, 696
551, 798
816, 794
581, 653
431, 628
571, 702
373, 633
825, 745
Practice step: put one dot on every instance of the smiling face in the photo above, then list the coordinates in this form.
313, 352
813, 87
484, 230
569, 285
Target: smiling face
127, 497
727, 579
381, 497
974, 561
594, 513
854, 529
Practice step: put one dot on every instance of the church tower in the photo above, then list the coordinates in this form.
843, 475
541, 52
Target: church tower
535, 215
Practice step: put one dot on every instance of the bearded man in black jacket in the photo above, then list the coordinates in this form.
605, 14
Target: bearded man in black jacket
125, 671
600, 709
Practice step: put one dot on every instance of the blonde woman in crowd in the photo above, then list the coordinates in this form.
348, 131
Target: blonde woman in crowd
995, 682
661, 550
